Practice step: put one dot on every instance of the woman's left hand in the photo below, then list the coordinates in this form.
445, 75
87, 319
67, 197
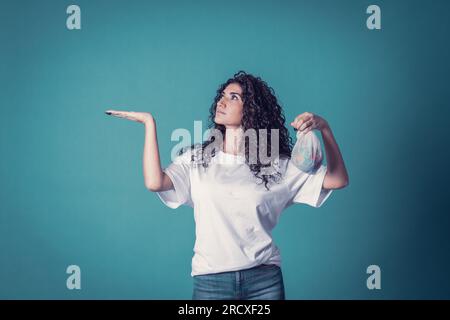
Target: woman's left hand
308, 121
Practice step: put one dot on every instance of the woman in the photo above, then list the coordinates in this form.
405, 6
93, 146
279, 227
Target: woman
237, 197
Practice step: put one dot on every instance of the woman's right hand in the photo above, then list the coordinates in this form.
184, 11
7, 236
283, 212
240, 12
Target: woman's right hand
142, 117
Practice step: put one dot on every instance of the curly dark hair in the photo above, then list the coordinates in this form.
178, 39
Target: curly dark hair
261, 110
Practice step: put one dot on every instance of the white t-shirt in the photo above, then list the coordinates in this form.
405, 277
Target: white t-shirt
233, 211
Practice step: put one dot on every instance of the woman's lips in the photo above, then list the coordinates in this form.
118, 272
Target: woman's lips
221, 112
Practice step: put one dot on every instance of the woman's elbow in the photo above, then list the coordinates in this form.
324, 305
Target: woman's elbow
335, 183
153, 187
344, 183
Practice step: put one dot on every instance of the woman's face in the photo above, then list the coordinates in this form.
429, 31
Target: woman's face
229, 107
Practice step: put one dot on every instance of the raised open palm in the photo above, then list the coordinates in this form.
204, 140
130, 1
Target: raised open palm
131, 115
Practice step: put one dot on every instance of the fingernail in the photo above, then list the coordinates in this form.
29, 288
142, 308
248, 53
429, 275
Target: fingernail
109, 113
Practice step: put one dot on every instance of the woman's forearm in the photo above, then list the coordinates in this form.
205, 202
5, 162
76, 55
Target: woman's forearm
153, 174
336, 176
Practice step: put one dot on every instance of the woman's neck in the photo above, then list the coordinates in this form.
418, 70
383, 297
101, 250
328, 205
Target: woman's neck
233, 140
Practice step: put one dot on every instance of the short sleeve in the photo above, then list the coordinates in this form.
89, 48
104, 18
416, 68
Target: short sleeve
179, 171
305, 187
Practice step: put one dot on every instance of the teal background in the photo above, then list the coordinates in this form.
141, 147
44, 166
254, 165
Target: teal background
72, 189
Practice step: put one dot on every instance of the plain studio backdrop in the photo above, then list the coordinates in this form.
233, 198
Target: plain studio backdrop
72, 189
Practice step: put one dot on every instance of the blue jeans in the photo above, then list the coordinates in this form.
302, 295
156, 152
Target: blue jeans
264, 282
